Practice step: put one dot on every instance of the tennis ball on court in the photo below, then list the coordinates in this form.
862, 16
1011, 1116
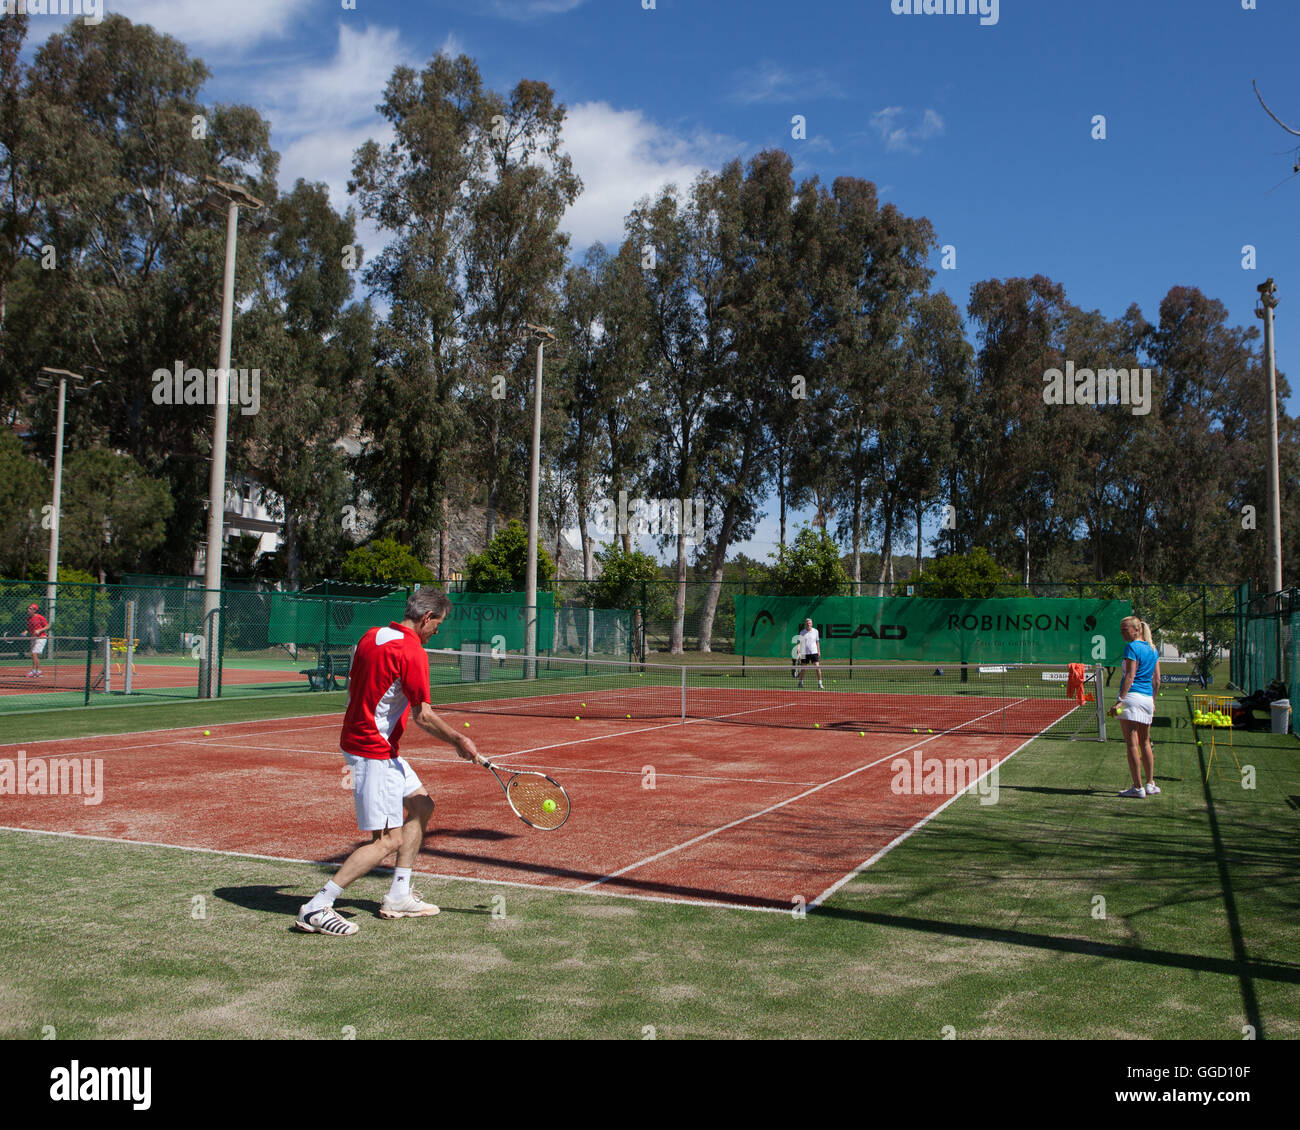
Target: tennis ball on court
467, 725
207, 733
629, 716
817, 725
548, 805
577, 717
929, 731
861, 734
583, 705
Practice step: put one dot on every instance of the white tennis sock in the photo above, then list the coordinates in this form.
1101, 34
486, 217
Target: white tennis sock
401, 883
325, 896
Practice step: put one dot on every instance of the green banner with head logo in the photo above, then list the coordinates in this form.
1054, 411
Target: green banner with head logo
1021, 630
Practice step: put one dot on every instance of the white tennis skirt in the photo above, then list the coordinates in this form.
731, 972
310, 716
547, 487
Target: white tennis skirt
1138, 708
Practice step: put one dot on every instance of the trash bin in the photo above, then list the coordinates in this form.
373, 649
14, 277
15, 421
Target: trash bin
1281, 715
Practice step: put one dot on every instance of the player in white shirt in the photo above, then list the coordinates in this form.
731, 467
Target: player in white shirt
810, 651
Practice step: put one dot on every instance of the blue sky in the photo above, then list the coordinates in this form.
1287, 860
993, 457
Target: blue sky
985, 129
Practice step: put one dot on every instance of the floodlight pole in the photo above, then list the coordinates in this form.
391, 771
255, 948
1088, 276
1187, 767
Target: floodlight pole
52, 572
232, 196
1268, 303
541, 336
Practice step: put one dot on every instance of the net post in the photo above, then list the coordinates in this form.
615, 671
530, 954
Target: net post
1100, 696
683, 719
90, 644
130, 646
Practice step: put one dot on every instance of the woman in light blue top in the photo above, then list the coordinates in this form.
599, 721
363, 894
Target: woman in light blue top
1136, 705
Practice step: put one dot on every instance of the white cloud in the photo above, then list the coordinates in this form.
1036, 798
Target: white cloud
532, 9
902, 130
230, 23
773, 83
621, 156
343, 90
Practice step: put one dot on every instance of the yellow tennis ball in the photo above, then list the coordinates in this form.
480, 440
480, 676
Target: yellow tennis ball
467, 725
207, 733
583, 705
577, 717
628, 716
861, 734
548, 805
929, 731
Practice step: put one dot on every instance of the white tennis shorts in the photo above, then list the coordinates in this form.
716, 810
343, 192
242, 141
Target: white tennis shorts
378, 789
1138, 708
38, 646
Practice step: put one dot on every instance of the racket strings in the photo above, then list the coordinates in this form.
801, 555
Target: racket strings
528, 795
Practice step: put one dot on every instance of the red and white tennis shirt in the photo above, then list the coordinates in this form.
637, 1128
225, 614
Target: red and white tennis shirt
37, 625
389, 676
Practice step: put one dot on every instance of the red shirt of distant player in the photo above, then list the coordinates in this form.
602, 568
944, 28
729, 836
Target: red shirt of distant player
389, 676
37, 625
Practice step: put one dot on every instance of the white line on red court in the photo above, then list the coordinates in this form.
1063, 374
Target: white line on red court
780, 804
549, 887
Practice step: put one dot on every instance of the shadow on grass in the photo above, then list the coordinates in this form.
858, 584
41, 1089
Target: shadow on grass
286, 901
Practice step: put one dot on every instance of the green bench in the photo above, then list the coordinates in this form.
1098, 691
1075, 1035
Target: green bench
329, 669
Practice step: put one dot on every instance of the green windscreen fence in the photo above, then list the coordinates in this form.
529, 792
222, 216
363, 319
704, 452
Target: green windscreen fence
1268, 646
497, 619
918, 628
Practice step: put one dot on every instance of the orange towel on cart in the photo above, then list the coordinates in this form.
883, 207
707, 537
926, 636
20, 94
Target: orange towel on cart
1075, 683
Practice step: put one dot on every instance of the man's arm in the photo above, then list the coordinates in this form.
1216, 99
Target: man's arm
430, 723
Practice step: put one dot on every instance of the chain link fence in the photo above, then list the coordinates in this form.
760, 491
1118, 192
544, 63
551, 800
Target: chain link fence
168, 638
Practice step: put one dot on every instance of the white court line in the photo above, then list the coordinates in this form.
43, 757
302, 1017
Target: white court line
780, 804
861, 867
659, 773
548, 887
174, 729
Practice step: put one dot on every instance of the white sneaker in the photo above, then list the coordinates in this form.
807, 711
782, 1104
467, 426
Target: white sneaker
1134, 792
327, 920
820, 687
1152, 788
413, 906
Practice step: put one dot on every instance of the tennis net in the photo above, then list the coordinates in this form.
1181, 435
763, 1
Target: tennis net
65, 664
1003, 700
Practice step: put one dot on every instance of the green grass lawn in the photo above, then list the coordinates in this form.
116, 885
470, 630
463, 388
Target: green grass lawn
1060, 911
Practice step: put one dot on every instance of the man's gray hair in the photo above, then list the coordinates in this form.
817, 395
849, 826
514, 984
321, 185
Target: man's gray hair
423, 601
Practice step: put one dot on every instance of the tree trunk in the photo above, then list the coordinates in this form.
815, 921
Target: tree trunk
886, 548
920, 566
716, 567
676, 639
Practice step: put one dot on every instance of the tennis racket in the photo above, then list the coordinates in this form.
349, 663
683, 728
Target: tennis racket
538, 800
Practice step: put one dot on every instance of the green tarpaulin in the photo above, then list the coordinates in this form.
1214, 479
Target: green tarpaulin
1022, 630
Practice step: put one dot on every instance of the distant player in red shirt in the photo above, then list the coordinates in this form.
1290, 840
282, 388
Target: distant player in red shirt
388, 682
38, 629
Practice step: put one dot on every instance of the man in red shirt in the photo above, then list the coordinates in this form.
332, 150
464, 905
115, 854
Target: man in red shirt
388, 682
37, 629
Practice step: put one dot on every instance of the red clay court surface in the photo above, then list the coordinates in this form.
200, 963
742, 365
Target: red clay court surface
70, 678
742, 816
